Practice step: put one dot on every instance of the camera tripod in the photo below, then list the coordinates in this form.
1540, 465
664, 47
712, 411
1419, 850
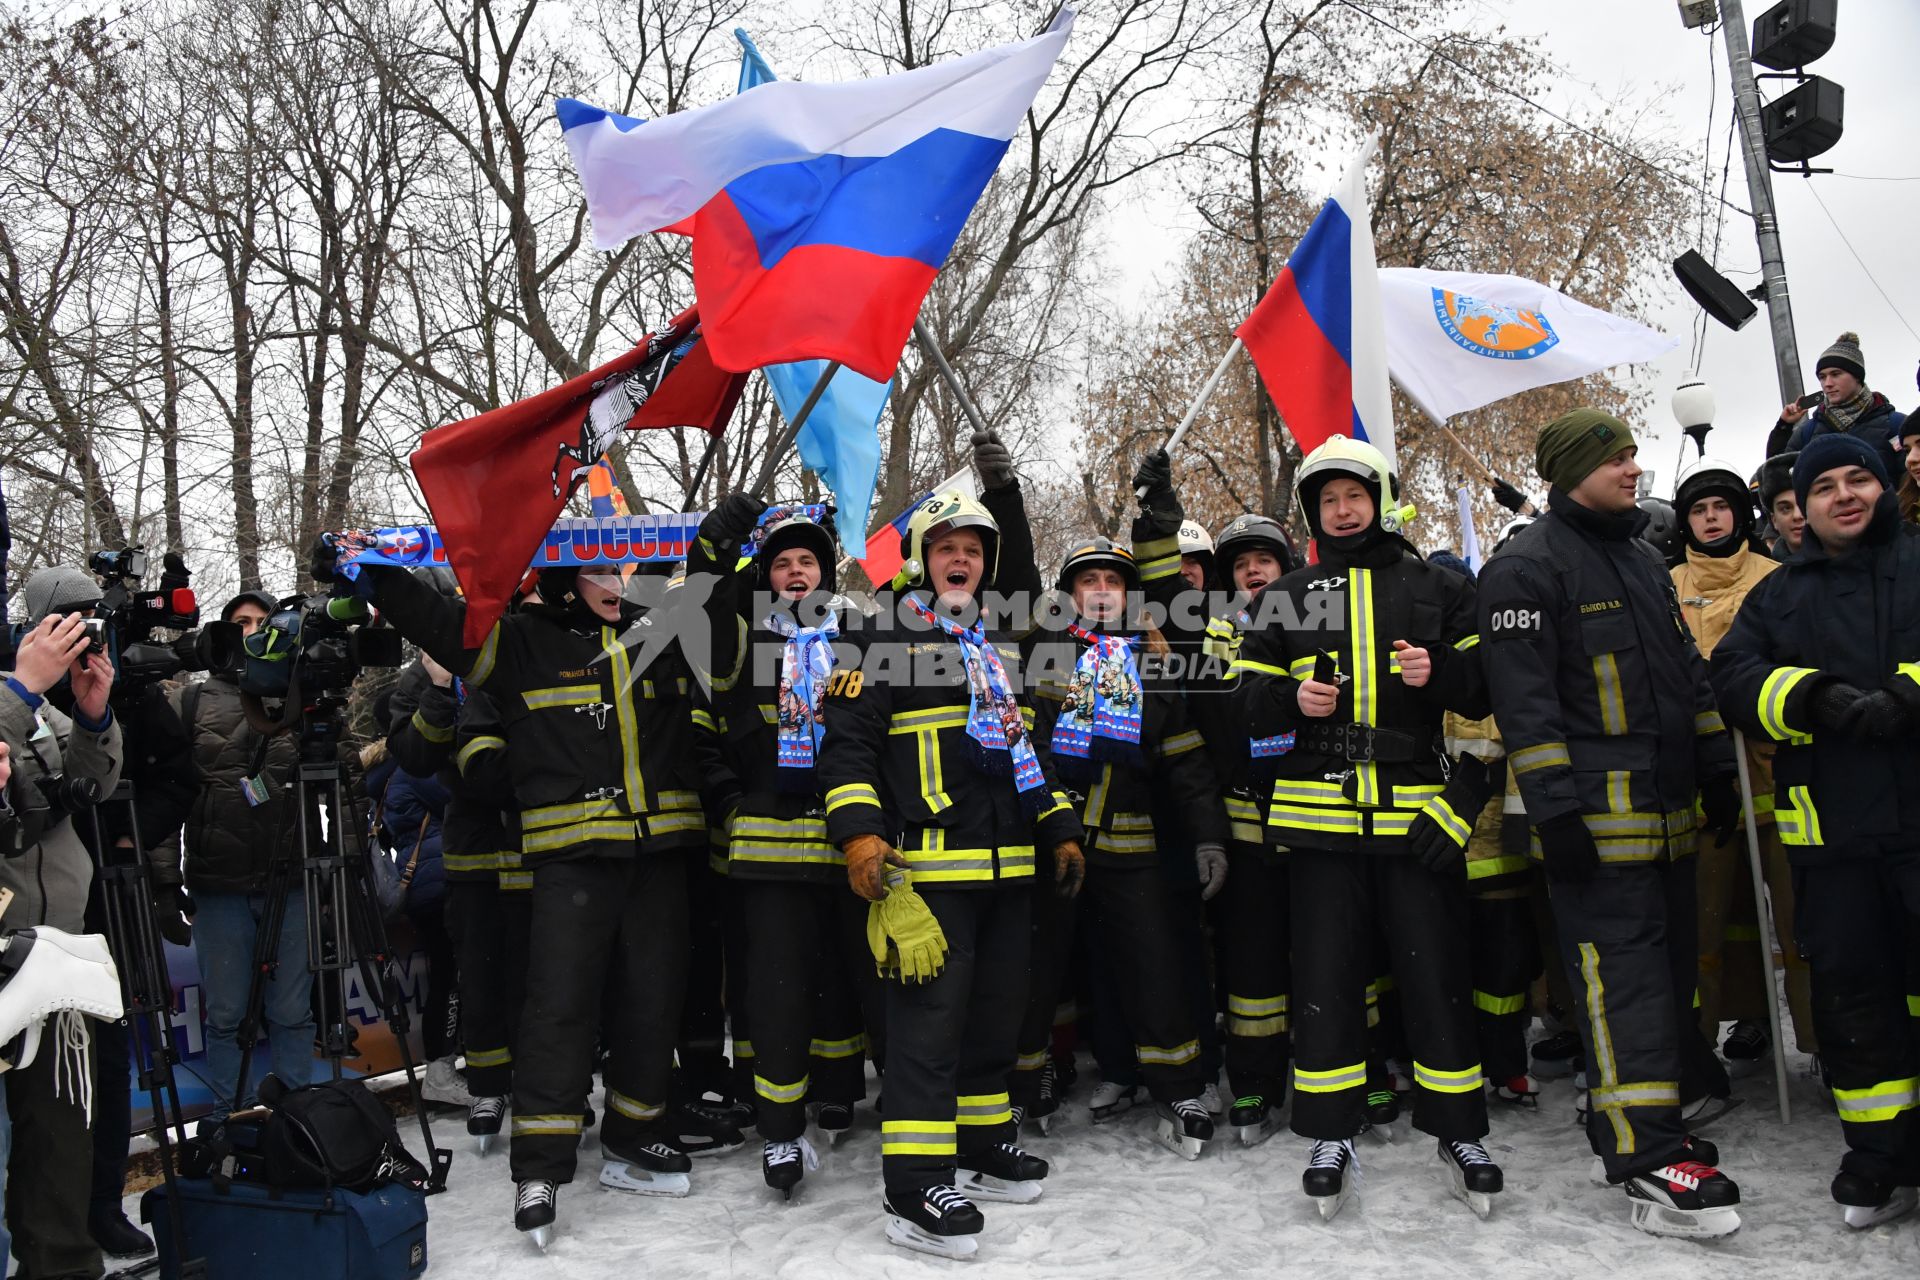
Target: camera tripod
133, 938
346, 934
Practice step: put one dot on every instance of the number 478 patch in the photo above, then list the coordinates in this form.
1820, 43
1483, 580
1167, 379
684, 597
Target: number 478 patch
1513, 620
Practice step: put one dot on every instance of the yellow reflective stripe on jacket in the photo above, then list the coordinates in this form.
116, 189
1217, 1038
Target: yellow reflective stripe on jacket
1123, 842
1450, 822
852, 793
628, 715
488, 657
1486, 868
1365, 676
930, 718
462, 862
551, 838
776, 841
704, 720
1181, 743
1245, 666
1708, 722
1772, 707
926, 750
932, 862
1465, 643
430, 731
1543, 755
566, 695
1613, 701
475, 745
1157, 558
1488, 1003
1799, 822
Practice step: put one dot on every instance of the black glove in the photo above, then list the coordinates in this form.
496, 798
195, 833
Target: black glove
321, 557
730, 523
1443, 851
1508, 496
1568, 848
172, 910
1720, 801
1158, 501
993, 460
1879, 716
1830, 706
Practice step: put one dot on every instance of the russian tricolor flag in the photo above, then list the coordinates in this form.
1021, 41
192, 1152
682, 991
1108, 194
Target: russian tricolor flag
1317, 336
820, 213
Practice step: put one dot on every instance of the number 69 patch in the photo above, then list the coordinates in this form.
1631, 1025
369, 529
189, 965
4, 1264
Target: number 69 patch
1513, 620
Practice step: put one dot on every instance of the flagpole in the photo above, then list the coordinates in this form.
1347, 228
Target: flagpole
778, 449
932, 347
700, 472
1193, 410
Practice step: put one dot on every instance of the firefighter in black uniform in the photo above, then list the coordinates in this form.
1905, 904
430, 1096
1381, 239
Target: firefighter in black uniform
1603, 703
1824, 659
804, 933
1251, 551
932, 782
1352, 662
442, 727
595, 703
1119, 738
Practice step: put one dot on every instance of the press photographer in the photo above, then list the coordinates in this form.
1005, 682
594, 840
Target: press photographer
59, 764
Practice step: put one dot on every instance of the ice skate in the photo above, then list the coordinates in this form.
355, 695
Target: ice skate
1046, 1107
833, 1119
1517, 1091
1252, 1120
1383, 1109
936, 1220
483, 1121
654, 1169
1700, 1149
1001, 1172
700, 1129
535, 1206
1110, 1099
46, 971
1685, 1198
1215, 1104
1706, 1110
1472, 1176
1183, 1127
1869, 1202
1557, 1055
1326, 1178
442, 1083
1747, 1048
783, 1164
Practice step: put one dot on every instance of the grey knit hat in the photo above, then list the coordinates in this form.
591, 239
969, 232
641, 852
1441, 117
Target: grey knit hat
58, 589
1844, 354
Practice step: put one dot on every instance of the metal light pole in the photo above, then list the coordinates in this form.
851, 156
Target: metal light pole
1766, 227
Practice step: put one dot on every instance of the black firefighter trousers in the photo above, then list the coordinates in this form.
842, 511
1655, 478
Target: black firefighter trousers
950, 1042
489, 928
806, 946
1858, 923
1129, 911
1629, 942
1254, 925
612, 927
1339, 902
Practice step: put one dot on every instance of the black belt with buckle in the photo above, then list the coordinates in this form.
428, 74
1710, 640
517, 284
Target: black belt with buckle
1360, 743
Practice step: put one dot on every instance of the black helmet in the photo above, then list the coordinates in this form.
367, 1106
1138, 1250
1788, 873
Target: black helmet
1711, 478
795, 528
1098, 553
1663, 528
1244, 533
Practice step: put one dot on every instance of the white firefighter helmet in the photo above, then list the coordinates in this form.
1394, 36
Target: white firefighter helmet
1342, 456
949, 509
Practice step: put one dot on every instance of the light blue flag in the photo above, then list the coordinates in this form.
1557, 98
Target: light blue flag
840, 440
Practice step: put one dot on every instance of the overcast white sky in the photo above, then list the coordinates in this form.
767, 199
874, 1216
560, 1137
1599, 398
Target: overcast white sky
1640, 47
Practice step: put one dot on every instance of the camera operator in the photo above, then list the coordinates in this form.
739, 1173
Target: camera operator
58, 764
240, 822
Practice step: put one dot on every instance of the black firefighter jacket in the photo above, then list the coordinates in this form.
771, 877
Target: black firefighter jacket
598, 720
1599, 690
1363, 793
439, 732
1855, 618
897, 763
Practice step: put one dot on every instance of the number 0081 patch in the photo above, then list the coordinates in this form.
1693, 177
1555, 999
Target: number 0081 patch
1513, 620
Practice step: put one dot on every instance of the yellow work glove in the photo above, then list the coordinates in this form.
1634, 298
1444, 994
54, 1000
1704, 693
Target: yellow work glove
903, 935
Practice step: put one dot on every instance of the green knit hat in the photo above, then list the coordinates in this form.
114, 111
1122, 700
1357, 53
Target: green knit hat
1572, 445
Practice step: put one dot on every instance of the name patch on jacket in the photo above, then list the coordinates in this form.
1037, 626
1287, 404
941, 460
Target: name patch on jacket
1601, 606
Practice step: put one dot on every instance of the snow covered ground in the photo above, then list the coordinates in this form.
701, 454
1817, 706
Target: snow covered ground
1119, 1205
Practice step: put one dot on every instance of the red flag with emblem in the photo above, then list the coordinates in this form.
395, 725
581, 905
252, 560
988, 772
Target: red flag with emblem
496, 482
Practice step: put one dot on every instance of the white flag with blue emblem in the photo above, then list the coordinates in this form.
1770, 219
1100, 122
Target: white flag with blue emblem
1457, 340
